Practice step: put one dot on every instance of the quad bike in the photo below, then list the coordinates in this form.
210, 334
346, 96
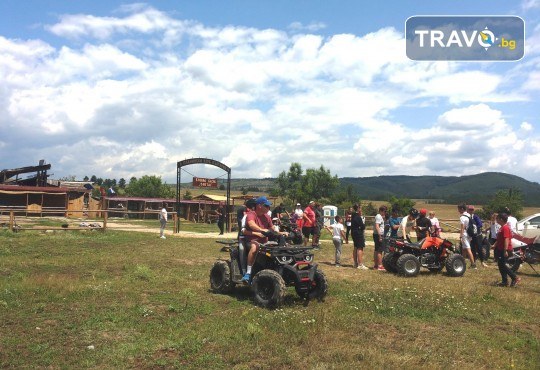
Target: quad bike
277, 265
405, 257
527, 251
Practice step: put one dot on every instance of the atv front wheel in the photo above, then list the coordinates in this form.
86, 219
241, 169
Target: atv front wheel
455, 265
220, 277
408, 265
319, 286
268, 288
389, 262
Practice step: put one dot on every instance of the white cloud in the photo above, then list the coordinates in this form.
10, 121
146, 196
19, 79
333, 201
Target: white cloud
128, 98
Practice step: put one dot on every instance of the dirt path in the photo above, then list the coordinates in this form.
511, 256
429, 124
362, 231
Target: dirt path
212, 235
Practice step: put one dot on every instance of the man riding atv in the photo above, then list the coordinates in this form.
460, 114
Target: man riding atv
258, 223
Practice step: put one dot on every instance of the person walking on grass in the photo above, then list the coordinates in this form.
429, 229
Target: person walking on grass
464, 220
221, 218
358, 227
338, 235
502, 248
163, 221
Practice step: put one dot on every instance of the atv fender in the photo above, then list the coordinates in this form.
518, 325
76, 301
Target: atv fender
302, 277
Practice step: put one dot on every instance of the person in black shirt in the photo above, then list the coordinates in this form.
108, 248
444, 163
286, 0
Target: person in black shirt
423, 224
358, 227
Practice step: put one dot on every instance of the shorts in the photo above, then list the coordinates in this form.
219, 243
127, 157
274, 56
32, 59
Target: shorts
465, 242
307, 231
379, 244
359, 241
317, 230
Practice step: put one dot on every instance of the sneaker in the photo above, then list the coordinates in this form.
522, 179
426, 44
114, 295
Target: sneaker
337, 265
375, 267
473, 266
515, 282
163, 237
501, 284
381, 268
485, 264
246, 278
362, 267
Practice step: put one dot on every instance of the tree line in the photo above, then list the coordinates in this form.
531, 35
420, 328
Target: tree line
299, 186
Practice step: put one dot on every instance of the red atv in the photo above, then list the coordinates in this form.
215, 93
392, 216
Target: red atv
405, 257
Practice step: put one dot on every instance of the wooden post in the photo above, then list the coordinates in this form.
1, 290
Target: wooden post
105, 215
175, 222
11, 220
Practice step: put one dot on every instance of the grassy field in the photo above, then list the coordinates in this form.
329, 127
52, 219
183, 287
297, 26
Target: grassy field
131, 300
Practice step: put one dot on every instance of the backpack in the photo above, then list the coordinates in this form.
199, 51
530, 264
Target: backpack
472, 230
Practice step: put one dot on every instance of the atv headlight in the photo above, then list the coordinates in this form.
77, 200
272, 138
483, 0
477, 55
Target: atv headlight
284, 260
308, 258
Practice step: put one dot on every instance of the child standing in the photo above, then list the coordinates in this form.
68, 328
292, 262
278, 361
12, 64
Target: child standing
502, 247
337, 237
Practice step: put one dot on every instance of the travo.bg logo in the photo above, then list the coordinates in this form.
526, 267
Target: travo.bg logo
465, 38
462, 38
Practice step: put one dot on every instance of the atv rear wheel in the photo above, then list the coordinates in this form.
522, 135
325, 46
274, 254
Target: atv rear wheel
514, 264
220, 277
319, 286
455, 265
408, 265
268, 288
389, 262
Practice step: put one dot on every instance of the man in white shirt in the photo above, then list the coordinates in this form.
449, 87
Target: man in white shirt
163, 221
464, 220
512, 221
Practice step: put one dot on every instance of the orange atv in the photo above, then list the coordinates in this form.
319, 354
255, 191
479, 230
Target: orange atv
405, 257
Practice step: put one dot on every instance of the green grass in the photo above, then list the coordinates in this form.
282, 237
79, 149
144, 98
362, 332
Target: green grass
143, 302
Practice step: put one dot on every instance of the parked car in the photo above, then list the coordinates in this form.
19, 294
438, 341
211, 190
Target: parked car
528, 227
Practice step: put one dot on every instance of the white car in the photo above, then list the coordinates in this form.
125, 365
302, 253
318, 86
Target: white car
528, 227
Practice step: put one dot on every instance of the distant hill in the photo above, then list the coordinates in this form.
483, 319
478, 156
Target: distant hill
476, 189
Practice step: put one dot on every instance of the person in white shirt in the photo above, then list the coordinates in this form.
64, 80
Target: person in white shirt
338, 234
512, 221
464, 220
408, 224
378, 238
163, 221
435, 226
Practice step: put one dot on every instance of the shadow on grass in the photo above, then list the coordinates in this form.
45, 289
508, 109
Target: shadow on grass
243, 293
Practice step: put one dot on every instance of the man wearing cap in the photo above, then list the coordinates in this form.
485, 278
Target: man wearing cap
423, 224
257, 223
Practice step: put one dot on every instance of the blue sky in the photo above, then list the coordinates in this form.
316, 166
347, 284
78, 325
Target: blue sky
119, 89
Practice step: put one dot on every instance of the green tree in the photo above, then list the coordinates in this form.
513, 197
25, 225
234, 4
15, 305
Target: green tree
315, 184
369, 209
149, 187
86, 178
188, 195
122, 183
401, 204
93, 179
509, 198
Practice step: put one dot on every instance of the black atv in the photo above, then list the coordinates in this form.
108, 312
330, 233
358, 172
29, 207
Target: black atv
277, 265
405, 257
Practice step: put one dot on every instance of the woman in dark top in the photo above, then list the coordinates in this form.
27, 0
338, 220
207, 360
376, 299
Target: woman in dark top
358, 226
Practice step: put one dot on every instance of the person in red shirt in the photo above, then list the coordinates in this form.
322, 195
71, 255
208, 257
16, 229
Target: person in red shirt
309, 221
502, 247
257, 223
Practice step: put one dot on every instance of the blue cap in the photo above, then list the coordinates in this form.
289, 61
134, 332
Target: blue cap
263, 200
